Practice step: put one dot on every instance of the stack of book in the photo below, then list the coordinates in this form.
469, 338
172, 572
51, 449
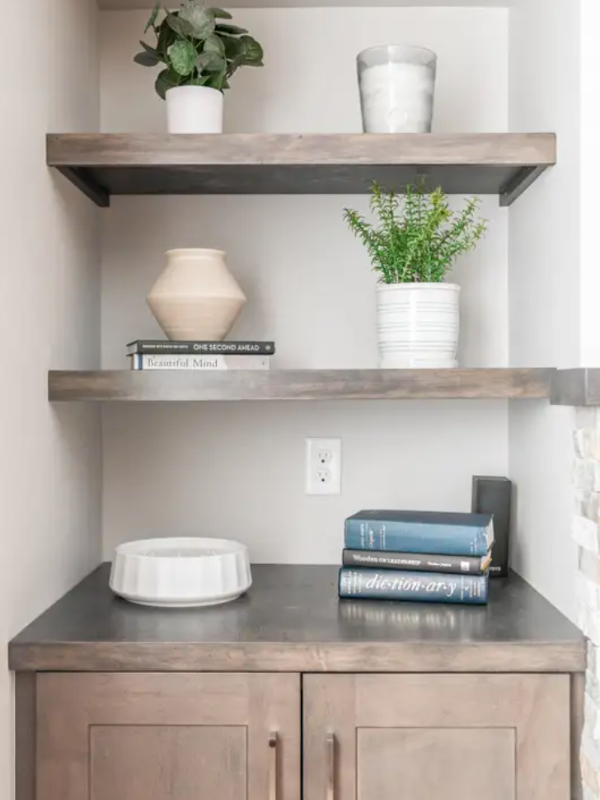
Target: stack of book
156, 354
419, 556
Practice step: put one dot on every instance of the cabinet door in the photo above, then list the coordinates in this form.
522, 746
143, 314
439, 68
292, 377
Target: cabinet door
171, 736
436, 737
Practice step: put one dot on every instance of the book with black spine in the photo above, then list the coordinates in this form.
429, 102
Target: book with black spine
419, 562
169, 347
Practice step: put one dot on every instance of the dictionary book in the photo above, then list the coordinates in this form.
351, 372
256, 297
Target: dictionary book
418, 587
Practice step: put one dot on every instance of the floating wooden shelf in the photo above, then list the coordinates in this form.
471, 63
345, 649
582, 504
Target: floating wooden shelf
102, 165
125, 5
467, 384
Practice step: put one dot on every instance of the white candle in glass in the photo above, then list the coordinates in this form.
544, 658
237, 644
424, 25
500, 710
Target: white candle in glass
397, 98
397, 87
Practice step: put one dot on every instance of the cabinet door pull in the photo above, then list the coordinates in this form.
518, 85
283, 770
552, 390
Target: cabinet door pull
273, 767
331, 766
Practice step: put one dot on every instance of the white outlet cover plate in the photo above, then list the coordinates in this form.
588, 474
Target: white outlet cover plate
323, 473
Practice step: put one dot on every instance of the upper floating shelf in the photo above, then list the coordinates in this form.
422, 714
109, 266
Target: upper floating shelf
102, 165
125, 5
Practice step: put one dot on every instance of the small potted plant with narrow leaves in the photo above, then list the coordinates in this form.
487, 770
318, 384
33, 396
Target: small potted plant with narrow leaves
413, 247
199, 53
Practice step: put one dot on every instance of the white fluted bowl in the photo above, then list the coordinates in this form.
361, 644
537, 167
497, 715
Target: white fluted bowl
180, 573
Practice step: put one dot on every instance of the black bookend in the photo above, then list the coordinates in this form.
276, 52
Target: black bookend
492, 496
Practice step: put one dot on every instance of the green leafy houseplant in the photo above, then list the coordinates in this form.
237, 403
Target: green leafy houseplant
196, 48
418, 238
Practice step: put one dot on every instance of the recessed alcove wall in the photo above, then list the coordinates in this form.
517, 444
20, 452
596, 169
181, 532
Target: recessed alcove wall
237, 470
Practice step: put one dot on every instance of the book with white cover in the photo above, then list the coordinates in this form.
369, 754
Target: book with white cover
198, 362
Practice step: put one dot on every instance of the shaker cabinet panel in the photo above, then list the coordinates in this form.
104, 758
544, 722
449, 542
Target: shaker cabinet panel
420, 762
148, 762
436, 737
176, 736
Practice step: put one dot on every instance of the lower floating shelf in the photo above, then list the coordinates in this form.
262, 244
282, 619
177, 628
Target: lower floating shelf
370, 384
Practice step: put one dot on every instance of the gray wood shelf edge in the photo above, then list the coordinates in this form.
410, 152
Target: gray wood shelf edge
574, 387
101, 165
292, 621
373, 384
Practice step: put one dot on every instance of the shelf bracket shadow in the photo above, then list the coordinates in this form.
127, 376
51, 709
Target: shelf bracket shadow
86, 184
519, 183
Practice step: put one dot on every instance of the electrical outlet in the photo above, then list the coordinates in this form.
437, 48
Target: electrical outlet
323, 466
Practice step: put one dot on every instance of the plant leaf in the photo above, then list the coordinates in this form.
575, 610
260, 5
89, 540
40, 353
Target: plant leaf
200, 80
153, 17
166, 37
233, 47
217, 80
147, 59
214, 44
149, 49
210, 62
253, 52
182, 56
230, 30
201, 20
164, 81
180, 26
220, 13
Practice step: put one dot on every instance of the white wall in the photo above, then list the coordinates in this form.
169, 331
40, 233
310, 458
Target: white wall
237, 470
50, 459
545, 290
590, 181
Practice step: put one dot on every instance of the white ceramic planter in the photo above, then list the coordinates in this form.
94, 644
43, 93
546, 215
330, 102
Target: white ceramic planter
418, 325
196, 297
194, 109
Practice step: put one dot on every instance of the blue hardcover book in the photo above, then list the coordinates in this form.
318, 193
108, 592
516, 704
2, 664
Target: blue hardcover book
429, 532
419, 587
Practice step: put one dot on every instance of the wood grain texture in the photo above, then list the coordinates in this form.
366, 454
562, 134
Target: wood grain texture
292, 621
435, 763
376, 384
152, 762
575, 387
301, 163
25, 735
577, 721
535, 707
73, 756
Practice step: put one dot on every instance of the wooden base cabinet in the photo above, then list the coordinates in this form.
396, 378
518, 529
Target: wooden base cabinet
237, 736
172, 736
436, 737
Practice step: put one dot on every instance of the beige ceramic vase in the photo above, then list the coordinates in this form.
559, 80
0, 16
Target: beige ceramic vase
196, 297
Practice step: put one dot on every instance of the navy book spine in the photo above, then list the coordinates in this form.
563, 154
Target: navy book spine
419, 587
411, 536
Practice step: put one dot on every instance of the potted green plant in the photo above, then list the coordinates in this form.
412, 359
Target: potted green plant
199, 53
413, 247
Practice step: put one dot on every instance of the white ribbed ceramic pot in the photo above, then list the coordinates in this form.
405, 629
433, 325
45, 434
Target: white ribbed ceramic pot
418, 325
196, 297
194, 109
176, 573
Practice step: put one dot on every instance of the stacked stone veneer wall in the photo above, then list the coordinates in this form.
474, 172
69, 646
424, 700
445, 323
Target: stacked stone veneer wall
586, 532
